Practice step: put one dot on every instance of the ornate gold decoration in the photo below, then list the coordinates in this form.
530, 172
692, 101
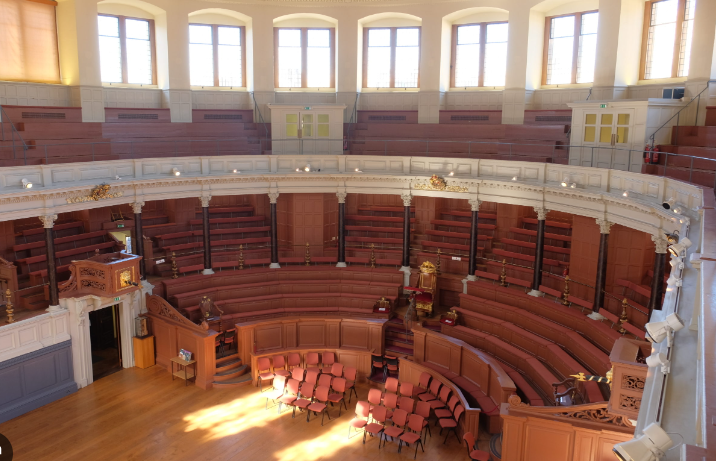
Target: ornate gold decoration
125, 278
100, 192
623, 318
427, 267
438, 183
307, 256
600, 379
8, 307
372, 256
241, 257
437, 264
452, 315
175, 270
383, 303
503, 274
565, 295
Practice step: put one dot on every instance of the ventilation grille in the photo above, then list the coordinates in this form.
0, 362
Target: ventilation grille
553, 118
44, 115
387, 118
138, 116
471, 118
223, 117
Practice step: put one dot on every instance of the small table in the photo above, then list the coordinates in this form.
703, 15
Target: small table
182, 369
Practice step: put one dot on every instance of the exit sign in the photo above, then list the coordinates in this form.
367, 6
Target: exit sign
119, 226
307, 108
116, 298
603, 106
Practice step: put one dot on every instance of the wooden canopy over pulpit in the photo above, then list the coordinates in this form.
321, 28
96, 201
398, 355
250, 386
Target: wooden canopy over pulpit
108, 275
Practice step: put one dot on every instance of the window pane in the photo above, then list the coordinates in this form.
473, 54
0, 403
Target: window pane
561, 50
589, 133
110, 53
467, 56
605, 134
687, 35
587, 48
468, 35
378, 58
660, 44
318, 59
139, 52
407, 58
201, 56
495, 55
230, 65
590, 119
289, 58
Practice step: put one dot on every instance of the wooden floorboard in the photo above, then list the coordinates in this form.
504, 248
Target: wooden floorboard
140, 414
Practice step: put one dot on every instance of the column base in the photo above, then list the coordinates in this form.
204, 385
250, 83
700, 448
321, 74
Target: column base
406, 275
536, 293
464, 285
274, 266
471, 278
596, 316
54, 309
341, 265
207, 271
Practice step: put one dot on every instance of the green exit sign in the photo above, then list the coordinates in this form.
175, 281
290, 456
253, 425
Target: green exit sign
603, 106
119, 226
116, 298
307, 108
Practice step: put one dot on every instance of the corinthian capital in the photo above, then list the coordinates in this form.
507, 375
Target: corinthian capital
205, 199
474, 204
48, 220
660, 242
341, 197
137, 207
604, 226
273, 196
407, 198
541, 212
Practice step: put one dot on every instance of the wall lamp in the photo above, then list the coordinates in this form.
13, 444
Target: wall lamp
26, 184
176, 172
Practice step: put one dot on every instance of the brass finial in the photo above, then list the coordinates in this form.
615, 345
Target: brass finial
307, 257
8, 307
565, 295
503, 274
437, 264
241, 257
372, 256
175, 270
623, 318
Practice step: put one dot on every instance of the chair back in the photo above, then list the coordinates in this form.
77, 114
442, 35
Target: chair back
362, 409
350, 373
390, 400
415, 423
279, 383
294, 359
264, 364
325, 380
312, 377
339, 385
458, 412
292, 386
374, 396
427, 281
297, 373
377, 360
279, 361
329, 358
322, 394
406, 403
425, 379
400, 417
312, 358
229, 336
307, 391
380, 414
454, 400
391, 385
422, 409
337, 369
392, 362
406, 389
435, 387
469, 441
444, 394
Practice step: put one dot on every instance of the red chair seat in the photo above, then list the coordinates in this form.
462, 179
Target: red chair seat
442, 413
316, 369
436, 404
326, 370
285, 373
424, 297
358, 423
373, 428
427, 397
266, 375
479, 455
287, 399
410, 437
301, 403
392, 431
317, 407
419, 391
335, 398
445, 422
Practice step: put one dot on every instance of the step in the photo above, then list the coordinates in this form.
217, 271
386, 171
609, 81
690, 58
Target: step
243, 380
398, 342
231, 373
228, 363
399, 349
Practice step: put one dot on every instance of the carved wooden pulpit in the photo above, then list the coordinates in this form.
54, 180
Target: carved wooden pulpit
629, 367
108, 275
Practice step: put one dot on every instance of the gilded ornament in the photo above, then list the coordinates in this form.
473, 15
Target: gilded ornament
307, 256
100, 192
372, 256
439, 184
8, 307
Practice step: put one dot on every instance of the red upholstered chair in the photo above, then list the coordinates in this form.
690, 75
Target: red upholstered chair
305, 398
279, 385
312, 377
451, 423
298, 373
329, 358
312, 362
427, 284
378, 424
415, 426
294, 360
391, 366
339, 393
325, 380
423, 409
433, 391
374, 398
337, 370
229, 337
442, 398
349, 373
447, 412
406, 403
361, 418
377, 363
279, 366
407, 389
391, 385
264, 370
290, 395
320, 404
400, 418
472, 452
424, 382
390, 401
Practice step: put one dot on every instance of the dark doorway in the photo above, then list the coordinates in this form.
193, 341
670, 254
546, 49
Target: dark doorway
104, 335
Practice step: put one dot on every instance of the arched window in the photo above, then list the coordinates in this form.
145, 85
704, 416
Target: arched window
479, 54
304, 57
668, 32
570, 48
217, 55
126, 48
391, 57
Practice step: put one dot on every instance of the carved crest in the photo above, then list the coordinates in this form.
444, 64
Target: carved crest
438, 183
100, 192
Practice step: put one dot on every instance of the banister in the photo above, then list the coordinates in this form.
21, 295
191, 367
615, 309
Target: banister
677, 114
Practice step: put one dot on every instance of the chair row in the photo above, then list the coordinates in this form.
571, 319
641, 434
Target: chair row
306, 396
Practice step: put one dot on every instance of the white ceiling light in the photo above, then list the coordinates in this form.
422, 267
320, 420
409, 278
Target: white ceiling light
658, 359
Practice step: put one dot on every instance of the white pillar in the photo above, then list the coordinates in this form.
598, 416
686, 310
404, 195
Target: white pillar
701, 65
618, 53
79, 56
431, 97
347, 81
263, 65
524, 63
173, 66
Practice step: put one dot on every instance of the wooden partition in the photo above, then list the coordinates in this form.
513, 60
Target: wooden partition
410, 371
172, 332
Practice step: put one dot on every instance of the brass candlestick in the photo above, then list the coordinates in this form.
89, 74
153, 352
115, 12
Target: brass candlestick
372, 256
241, 257
565, 295
307, 257
175, 270
437, 265
8, 307
623, 318
503, 274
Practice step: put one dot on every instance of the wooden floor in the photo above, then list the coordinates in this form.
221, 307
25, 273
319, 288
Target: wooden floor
140, 414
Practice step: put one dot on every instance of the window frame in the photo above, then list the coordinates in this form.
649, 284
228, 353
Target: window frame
575, 45
215, 48
393, 46
680, 14
483, 44
123, 48
304, 56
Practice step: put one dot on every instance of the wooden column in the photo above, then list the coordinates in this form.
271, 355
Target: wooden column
273, 198
539, 250
139, 238
407, 198
48, 222
341, 229
657, 282
472, 262
207, 235
601, 281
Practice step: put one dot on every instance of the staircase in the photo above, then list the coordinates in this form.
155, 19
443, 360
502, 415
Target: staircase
231, 372
398, 340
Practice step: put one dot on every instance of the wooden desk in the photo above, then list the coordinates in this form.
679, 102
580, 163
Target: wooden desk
144, 351
183, 371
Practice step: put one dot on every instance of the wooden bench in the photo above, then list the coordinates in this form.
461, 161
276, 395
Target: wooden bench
363, 218
533, 233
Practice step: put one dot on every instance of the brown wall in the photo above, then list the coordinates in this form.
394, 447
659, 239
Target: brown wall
583, 259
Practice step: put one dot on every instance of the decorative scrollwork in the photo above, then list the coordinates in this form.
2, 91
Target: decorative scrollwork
92, 272
598, 415
158, 306
635, 383
93, 284
71, 283
629, 402
100, 192
592, 412
438, 183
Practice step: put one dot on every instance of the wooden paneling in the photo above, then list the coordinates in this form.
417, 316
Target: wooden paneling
269, 337
311, 334
355, 335
548, 443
